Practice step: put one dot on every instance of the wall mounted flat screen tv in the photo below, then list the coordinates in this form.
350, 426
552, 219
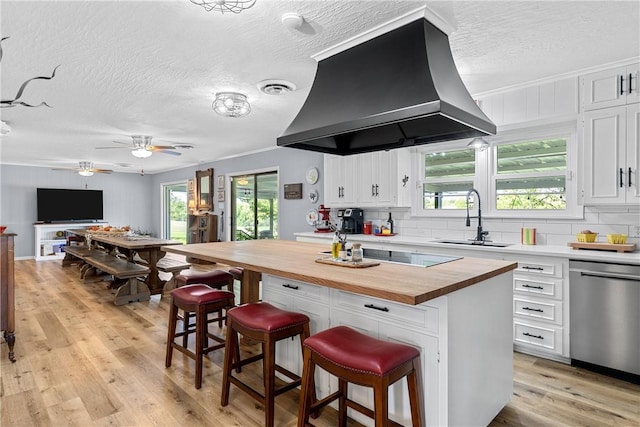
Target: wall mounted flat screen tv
59, 205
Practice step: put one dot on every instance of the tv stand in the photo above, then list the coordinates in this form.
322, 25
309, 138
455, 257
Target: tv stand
48, 246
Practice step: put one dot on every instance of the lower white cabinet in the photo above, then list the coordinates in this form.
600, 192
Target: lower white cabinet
540, 312
50, 239
305, 298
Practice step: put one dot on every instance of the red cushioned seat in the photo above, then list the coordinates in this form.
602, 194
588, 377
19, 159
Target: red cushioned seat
199, 294
236, 272
214, 278
265, 317
344, 346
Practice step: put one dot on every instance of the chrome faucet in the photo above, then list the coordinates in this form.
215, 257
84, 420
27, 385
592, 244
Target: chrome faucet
480, 235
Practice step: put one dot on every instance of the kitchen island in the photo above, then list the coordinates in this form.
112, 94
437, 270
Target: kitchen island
457, 313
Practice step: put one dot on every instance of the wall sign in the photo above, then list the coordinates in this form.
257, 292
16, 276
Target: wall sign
293, 191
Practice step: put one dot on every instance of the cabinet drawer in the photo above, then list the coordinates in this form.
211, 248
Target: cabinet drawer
295, 288
550, 311
543, 338
551, 269
543, 287
423, 316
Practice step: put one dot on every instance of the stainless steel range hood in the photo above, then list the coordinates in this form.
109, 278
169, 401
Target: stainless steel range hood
399, 89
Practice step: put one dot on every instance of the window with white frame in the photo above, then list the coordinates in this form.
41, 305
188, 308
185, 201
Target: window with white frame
447, 176
526, 173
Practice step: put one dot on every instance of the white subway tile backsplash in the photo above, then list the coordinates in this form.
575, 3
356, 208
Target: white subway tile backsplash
601, 219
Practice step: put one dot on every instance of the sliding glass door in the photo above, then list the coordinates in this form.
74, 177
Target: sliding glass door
175, 211
254, 206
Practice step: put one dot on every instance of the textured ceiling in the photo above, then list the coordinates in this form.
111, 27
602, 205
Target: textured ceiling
153, 67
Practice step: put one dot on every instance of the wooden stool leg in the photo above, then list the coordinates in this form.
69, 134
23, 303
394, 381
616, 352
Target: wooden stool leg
306, 399
343, 387
201, 337
230, 349
270, 381
186, 318
381, 403
412, 384
173, 317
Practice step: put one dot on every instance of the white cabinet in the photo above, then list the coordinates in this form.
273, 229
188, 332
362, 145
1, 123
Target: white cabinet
383, 178
540, 315
417, 326
340, 180
305, 298
610, 88
50, 239
612, 155
378, 179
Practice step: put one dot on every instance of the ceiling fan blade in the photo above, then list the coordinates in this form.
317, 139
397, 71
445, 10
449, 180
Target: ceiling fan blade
173, 153
101, 170
120, 142
65, 169
107, 148
160, 147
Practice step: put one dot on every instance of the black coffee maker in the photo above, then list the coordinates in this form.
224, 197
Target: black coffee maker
352, 220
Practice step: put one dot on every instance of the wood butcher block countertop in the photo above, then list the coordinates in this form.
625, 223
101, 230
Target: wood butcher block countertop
391, 281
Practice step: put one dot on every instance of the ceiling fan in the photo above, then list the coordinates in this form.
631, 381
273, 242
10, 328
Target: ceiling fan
142, 147
85, 169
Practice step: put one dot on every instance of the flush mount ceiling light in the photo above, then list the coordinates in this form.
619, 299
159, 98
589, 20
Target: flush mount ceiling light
4, 128
231, 104
276, 87
292, 20
478, 143
224, 6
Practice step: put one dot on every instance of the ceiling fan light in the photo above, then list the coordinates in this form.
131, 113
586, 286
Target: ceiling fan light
231, 104
85, 173
141, 153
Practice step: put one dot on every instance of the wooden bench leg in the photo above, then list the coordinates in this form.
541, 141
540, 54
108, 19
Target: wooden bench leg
132, 291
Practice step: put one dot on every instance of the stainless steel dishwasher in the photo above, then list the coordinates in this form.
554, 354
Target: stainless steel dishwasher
605, 317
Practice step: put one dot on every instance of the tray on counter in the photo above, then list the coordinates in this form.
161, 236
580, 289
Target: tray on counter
602, 246
364, 263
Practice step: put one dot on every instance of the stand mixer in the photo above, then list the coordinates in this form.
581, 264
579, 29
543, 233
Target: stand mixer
323, 224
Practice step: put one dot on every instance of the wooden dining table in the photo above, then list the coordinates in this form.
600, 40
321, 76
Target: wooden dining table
147, 248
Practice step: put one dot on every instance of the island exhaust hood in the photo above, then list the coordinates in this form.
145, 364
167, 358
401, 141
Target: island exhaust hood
398, 89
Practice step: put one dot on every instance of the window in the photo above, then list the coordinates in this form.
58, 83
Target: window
174, 218
531, 175
254, 206
447, 177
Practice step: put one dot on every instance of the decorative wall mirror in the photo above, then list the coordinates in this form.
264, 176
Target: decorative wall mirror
204, 183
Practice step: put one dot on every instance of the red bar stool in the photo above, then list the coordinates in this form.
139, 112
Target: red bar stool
357, 358
267, 324
237, 272
217, 279
201, 300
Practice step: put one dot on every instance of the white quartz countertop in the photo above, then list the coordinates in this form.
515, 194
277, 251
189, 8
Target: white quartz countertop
407, 243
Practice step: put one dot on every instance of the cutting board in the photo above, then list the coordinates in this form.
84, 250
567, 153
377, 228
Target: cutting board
627, 247
350, 264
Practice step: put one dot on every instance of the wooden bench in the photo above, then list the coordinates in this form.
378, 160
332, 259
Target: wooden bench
173, 266
75, 255
126, 272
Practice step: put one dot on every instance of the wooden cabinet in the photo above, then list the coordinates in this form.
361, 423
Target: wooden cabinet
202, 228
612, 155
340, 181
540, 316
378, 179
610, 88
7, 291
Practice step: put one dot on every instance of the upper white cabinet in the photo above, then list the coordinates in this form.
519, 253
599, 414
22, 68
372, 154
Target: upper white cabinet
378, 179
611, 155
384, 178
340, 180
610, 88
533, 103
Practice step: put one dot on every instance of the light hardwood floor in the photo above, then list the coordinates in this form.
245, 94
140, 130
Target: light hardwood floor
83, 361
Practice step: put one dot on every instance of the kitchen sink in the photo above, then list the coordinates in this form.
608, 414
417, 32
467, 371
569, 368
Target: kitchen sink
475, 243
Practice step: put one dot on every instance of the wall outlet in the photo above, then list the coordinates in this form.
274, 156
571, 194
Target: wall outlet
637, 231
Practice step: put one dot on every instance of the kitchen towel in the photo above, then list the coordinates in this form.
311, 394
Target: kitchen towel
528, 236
